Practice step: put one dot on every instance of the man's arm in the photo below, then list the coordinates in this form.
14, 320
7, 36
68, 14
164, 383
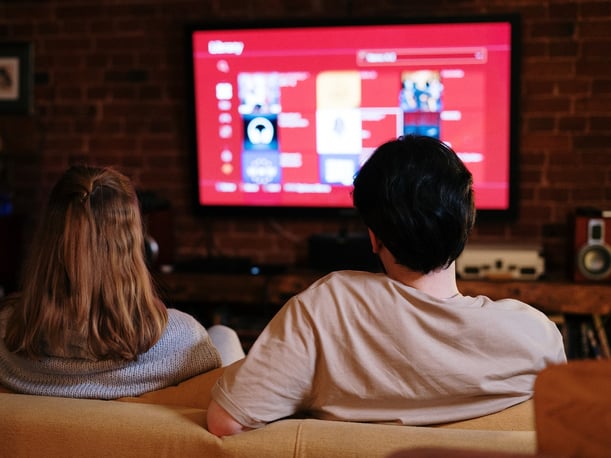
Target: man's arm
272, 381
220, 423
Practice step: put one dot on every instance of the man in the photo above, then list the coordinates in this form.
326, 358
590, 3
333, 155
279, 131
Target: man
401, 346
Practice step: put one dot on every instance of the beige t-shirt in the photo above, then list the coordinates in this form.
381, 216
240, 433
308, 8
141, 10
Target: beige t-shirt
360, 346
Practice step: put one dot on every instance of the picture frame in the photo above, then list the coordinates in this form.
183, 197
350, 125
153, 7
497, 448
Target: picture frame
16, 78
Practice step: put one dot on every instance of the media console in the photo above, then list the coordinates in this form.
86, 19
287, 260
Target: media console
550, 296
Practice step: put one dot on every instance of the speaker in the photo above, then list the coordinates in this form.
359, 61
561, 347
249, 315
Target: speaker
592, 246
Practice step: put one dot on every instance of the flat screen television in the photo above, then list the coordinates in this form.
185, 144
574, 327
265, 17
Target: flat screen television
284, 114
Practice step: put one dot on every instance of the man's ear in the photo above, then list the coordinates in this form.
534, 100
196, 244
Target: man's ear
376, 243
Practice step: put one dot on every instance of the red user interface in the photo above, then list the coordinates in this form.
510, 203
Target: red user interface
286, 116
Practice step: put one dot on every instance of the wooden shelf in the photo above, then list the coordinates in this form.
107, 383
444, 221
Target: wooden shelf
548, 296
274, 289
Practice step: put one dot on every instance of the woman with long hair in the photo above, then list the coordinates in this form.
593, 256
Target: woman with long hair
87, 321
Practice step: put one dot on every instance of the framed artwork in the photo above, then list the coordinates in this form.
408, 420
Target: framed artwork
16, 78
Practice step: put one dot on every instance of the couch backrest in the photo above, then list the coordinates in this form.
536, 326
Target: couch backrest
61, 427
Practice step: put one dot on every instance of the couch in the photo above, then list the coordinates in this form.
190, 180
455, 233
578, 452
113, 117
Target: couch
172, 422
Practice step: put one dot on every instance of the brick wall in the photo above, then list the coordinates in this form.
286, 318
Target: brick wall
109, 88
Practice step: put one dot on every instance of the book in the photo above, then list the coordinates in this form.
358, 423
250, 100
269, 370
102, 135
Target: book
602, 336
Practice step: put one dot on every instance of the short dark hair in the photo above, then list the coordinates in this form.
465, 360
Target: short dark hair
416, 196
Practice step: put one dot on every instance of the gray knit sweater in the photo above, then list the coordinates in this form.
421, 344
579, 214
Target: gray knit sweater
183, 351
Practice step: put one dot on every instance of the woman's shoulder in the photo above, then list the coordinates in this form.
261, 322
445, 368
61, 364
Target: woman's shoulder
179, 319
179, 315
182, 331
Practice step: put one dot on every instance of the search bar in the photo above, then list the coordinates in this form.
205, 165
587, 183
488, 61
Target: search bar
422, 56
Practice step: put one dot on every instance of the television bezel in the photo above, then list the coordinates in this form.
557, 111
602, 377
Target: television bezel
508, 214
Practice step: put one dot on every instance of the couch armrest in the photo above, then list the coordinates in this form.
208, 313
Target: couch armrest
573, 409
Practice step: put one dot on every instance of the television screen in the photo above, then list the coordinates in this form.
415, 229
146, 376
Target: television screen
283, 116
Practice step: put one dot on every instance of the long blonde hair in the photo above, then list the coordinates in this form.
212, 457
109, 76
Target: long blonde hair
86, 274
